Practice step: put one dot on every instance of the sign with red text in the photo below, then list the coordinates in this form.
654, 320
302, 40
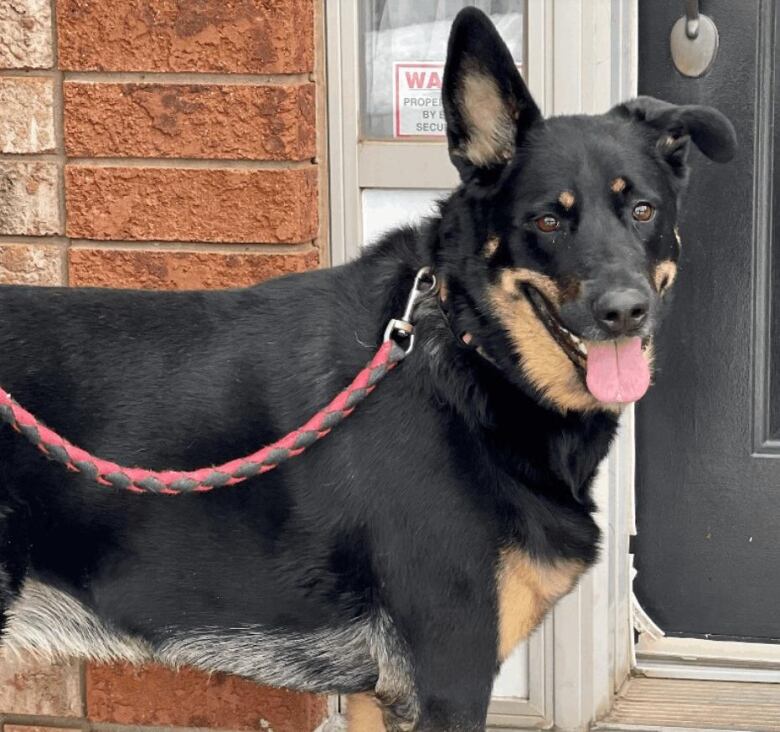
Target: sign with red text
417, 108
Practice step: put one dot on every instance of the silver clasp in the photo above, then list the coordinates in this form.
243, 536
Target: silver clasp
401, 330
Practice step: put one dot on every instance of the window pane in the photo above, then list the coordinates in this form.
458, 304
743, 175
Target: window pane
385, 209
403, 46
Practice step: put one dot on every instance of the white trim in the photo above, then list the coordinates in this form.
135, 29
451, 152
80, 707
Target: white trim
430, 162
536, 711
698, 658
594, 67
342, 58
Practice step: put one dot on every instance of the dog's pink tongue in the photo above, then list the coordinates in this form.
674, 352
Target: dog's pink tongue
617, 371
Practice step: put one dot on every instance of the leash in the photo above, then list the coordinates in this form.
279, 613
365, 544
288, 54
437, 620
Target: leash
397, 344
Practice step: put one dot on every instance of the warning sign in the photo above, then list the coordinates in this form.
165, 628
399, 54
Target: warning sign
417, 108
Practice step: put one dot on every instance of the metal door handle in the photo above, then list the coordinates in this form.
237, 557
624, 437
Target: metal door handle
691, 18
694, 41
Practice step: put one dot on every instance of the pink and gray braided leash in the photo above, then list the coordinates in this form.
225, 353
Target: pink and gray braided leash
177, 482
173, 482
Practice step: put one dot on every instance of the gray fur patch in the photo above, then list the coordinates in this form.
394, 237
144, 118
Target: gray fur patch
323, 661
51, 623
363, 655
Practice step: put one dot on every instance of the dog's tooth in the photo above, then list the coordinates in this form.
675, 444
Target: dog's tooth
582, 348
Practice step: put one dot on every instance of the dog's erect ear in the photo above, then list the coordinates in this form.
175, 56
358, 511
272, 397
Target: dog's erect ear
487, 105
678, 125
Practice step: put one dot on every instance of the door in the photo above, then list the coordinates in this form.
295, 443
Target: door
708, 433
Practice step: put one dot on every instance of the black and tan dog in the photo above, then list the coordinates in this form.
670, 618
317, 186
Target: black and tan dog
409, 552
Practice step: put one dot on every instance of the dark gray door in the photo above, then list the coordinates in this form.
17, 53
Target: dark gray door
708, 433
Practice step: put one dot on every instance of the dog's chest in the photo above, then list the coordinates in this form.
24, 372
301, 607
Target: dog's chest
527, 589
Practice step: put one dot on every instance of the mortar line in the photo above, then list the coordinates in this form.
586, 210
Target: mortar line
319, 77
28, 73
59, 128
52, 157
190, 163
34, 239
44, 720
194, 247
173, 77
140, 162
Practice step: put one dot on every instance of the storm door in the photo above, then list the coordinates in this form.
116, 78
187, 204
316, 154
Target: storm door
708, 433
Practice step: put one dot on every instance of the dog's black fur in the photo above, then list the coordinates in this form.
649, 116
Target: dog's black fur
376, 561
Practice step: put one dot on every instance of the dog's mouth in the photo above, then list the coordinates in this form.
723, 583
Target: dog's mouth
614, 371
574, 347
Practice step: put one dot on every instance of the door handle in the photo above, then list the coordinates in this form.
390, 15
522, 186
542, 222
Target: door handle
691, 18
694, 41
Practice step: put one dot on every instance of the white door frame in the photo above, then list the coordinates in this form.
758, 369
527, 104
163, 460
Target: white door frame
581, 57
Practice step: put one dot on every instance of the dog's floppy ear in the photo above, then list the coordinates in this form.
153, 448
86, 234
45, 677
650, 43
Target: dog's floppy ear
487, 105
678, 125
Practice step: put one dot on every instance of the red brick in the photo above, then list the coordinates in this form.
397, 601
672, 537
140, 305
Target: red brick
164, 269
274, 122
240, 36
30, 264
157, 696
175, 204
32, 686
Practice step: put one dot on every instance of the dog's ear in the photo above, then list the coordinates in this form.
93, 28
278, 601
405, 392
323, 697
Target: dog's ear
487, 105
675, 126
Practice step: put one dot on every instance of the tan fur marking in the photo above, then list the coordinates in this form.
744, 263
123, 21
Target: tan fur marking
543, 361
664, 274
512, 278
618, 185
546, 366
364, 714
527, 589
490, 126
566, 199
491, 247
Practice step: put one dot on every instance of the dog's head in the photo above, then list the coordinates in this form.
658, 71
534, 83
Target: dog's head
561, 243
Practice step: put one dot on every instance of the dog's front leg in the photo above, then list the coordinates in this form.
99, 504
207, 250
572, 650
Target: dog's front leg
435, 672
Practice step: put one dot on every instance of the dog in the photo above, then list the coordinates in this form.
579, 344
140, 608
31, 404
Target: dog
403, 557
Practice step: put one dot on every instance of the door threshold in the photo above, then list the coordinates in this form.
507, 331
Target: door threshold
682, 705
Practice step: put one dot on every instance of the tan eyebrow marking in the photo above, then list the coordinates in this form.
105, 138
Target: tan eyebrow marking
566, 199
491, 247
664, 274
618, 185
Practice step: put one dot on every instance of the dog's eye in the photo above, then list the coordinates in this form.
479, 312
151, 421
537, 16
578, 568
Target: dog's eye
548, 224
643, 211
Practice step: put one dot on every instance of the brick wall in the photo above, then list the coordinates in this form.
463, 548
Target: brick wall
160, 144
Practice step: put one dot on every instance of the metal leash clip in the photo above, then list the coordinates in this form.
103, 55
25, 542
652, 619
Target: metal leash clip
401, 330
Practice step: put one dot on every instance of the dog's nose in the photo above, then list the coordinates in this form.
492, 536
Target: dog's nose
621, 312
